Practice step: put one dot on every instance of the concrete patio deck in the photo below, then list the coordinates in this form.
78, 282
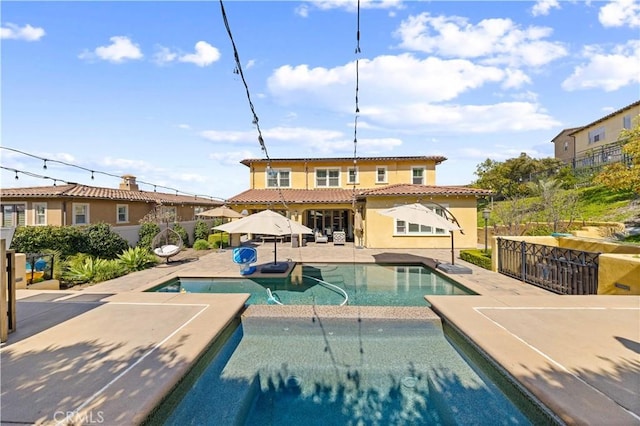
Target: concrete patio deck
108, 354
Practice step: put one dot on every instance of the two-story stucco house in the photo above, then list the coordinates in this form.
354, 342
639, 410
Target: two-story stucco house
598, 143
75, 204
325, 193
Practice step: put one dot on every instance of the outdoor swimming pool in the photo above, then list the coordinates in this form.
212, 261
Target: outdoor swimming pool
330, 284
341, 371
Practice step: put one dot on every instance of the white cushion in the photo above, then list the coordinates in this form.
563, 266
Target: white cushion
165, 250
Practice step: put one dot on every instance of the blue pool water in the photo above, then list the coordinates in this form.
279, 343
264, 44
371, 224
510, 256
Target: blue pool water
364, 285
359, 371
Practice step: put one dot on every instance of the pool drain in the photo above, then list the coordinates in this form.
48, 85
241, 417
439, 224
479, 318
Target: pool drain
409, 382
294, 381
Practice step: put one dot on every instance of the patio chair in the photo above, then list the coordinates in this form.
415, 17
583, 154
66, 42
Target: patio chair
319, 238
166, 244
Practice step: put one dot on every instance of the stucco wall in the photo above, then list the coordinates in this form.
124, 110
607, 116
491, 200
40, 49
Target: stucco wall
619, 274
379, 229
612, 127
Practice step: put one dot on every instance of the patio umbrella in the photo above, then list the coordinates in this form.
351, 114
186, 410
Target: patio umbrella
421, 215
266, 222
358, 227
223, 212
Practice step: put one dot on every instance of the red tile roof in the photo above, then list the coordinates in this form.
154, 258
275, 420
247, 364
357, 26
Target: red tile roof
259, 196
74, 190
410, 189
437, 158
294, 196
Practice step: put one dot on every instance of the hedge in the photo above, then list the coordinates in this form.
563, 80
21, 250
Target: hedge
477, 257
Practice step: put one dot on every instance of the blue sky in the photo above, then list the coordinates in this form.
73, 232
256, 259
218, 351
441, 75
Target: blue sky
147, 88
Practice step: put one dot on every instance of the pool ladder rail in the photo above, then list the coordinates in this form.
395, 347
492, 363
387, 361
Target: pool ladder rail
273, 299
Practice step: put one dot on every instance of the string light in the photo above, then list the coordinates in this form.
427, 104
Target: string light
44, 166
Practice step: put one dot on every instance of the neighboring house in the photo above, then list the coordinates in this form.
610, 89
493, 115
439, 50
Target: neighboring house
598, 143
325, 193
75, 204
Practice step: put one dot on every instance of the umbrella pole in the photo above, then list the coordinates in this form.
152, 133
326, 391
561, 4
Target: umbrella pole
452, 255
275, 250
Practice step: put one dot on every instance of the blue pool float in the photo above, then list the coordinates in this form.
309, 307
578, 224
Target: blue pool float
245, 256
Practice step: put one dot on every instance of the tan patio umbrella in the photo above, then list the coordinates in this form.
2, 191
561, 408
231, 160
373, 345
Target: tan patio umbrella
358, 227
421, 215
265, 222
222, 212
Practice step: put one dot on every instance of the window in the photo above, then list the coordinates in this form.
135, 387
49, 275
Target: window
278, 178
169, 213
417, 175
122, 212
596, 135
327, 178
39, 213
566, 146
13, 215
381, 174
407, 228
353, 174
626, 122
80, 214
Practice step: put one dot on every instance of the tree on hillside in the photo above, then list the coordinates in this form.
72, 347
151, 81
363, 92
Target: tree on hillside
556, 204
623, 176
510, 178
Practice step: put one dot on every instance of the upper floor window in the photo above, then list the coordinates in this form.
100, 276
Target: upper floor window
80, 214
417, 175
353, 174
626, 121
122, 212
278, 178
596, 135
327, 178
566, 146
39, 213
381, 174
13, 215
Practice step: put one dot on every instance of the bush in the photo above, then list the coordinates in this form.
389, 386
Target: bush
183, 233
477, 257
137, 259
83, 268
148, 230
201, 231
201, 245
215, 240
67, 240
103, 242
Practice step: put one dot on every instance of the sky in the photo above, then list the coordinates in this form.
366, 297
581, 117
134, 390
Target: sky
148, 88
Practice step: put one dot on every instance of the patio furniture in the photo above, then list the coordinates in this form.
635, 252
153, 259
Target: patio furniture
166, 244
321, 238
339, 238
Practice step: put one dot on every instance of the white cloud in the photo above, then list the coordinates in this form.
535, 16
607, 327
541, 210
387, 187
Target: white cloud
14, 32
204, 55
492, 41
120, 49
388, 79
229, 136
250, 64
184, 126
350, 5
164, 55
231, 158
608, 71
542, 7
302, 10
618, 13
128, 166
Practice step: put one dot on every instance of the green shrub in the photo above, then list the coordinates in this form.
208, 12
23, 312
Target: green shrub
201, 245
477, 257
218, 238
83, 268
67, 240
201, 231
183, 233
148, 230
103, 242
137, 259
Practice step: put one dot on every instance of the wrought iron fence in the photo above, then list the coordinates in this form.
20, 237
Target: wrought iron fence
556, 269
39, 267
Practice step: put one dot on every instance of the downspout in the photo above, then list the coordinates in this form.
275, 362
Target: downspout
64, 213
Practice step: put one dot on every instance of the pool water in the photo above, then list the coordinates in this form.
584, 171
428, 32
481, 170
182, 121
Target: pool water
365, 285
358, 371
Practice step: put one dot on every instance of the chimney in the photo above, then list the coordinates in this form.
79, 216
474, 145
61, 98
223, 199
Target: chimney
129, 183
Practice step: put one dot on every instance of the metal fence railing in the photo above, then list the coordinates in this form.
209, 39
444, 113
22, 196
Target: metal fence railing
556, 269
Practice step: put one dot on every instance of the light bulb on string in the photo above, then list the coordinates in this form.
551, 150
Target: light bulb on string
44, 166
92, 177
17, 175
